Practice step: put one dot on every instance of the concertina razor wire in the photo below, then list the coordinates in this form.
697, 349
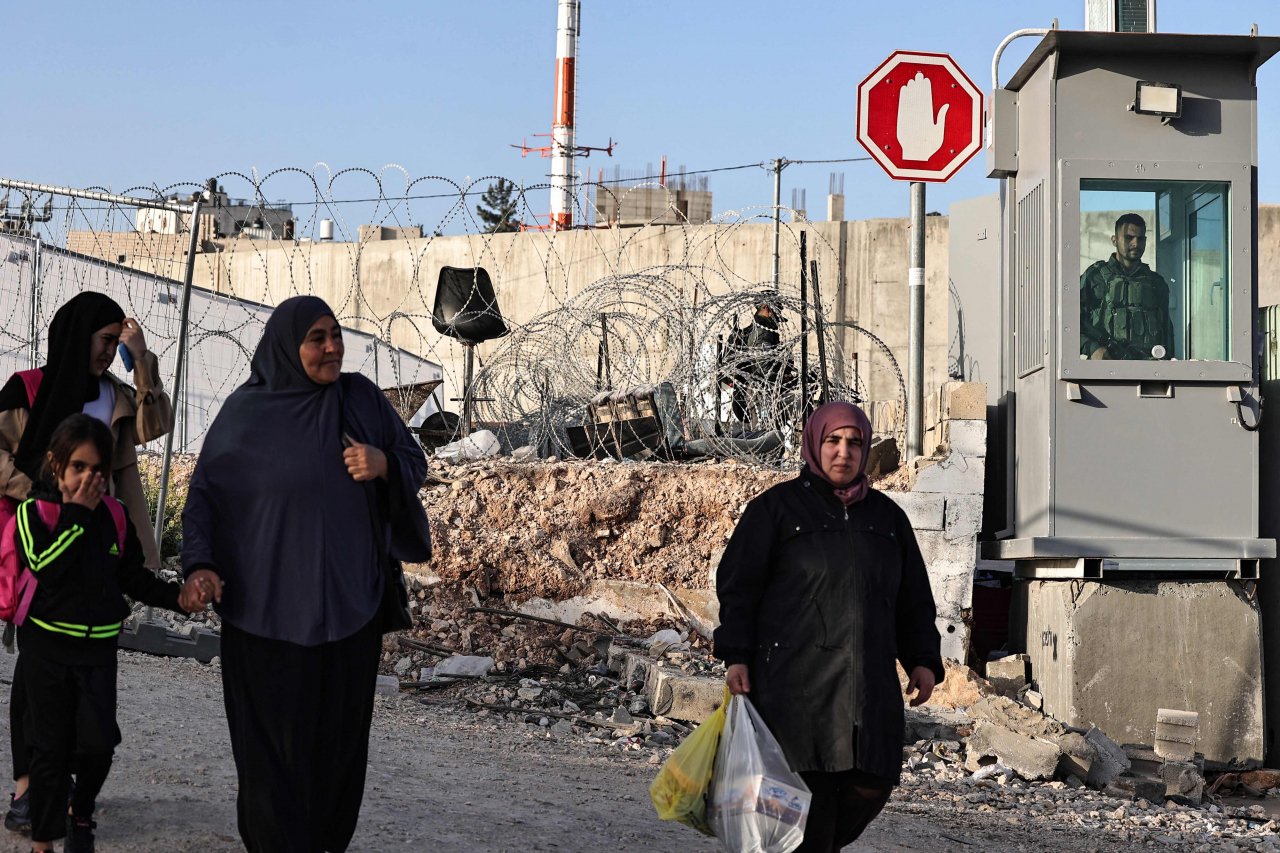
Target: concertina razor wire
673, 299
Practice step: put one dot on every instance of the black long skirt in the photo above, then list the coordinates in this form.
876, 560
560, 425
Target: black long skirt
844, 803
299, 718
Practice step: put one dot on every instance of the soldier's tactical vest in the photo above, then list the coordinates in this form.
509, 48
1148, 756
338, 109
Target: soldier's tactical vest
1131, 308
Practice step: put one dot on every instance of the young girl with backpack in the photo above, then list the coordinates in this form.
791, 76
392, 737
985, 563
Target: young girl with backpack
67, 558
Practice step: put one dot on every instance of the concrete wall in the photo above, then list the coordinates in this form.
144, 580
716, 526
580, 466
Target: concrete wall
389, 285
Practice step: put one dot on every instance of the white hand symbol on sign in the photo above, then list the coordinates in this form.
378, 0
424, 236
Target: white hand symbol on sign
918, 133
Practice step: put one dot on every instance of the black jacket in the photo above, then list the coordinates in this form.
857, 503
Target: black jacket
818, 601
79, 606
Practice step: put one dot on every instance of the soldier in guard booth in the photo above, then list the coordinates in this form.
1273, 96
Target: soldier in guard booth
1124, 304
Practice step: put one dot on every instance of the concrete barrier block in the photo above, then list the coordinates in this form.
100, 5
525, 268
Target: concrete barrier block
964, 401
924, 511
963, 517
968, 438
957, 475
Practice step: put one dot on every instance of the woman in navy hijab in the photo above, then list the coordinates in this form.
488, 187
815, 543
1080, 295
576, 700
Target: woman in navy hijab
305, 494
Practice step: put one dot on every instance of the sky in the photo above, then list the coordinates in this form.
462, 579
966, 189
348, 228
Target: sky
158, 94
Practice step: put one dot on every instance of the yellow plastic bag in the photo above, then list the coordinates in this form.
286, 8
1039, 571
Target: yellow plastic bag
680, 791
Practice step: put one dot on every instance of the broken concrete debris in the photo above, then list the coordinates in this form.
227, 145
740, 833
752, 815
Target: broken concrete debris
1009, 675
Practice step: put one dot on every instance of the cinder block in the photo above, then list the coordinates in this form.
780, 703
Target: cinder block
1136, 788
1181, 734
964, 401
963, 517
956, 475
968, 438
1177, 718
690, 698
924, 511
1172, 750
1183, 779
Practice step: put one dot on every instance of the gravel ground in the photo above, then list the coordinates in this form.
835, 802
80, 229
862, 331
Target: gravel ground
443, 779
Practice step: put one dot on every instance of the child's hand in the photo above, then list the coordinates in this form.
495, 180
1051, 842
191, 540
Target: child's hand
202, 586
88, 494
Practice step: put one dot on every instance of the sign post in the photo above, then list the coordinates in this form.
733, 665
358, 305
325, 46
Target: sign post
920, 118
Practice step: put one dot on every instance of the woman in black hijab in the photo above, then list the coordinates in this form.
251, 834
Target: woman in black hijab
295, 537
83, 338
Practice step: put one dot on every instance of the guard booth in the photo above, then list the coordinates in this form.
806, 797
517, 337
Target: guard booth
1126, 483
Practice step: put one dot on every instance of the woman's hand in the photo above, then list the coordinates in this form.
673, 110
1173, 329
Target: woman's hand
88, 493
738, 680
921, 684
133, 339
202, 586
365, 462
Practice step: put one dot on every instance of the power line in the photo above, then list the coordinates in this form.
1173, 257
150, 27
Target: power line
466, 193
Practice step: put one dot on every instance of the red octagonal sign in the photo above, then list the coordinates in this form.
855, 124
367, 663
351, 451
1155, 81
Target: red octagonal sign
920, 116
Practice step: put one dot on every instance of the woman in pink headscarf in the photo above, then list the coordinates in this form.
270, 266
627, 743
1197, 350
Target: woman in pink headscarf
822, 588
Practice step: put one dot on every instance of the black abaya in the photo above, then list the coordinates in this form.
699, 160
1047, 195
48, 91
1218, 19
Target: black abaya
299, 718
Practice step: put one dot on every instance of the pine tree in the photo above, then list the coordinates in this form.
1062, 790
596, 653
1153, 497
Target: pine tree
497, 207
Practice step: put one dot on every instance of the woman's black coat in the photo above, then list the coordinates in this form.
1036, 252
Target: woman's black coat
819, 600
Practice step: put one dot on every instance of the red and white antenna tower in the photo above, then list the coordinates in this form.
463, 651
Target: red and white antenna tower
564, 148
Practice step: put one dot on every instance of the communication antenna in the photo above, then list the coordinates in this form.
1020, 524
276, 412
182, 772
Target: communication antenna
564, 148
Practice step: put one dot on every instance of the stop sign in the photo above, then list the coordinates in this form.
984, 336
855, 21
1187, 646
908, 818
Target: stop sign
919, 116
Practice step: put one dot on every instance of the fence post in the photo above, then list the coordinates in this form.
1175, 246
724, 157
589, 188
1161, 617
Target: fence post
184, 314
33, 356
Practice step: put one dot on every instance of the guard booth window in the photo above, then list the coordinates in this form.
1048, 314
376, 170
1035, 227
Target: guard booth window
1154, 276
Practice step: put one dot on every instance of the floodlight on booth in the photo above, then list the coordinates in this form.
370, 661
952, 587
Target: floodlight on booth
1158, 99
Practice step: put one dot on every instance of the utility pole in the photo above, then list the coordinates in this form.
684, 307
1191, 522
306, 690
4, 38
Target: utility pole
779, 163
915, 336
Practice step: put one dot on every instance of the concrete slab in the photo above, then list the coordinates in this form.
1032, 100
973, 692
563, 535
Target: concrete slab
957, 474
963, 517
1111, 760
1112, 654
924, 511
1032, 758
968, 438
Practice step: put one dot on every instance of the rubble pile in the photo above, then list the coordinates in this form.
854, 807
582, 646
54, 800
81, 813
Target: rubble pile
547, 529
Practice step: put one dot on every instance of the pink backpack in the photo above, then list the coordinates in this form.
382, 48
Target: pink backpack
31, 379
18, 589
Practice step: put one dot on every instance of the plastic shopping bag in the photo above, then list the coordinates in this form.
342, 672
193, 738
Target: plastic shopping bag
680, 791
757, 804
